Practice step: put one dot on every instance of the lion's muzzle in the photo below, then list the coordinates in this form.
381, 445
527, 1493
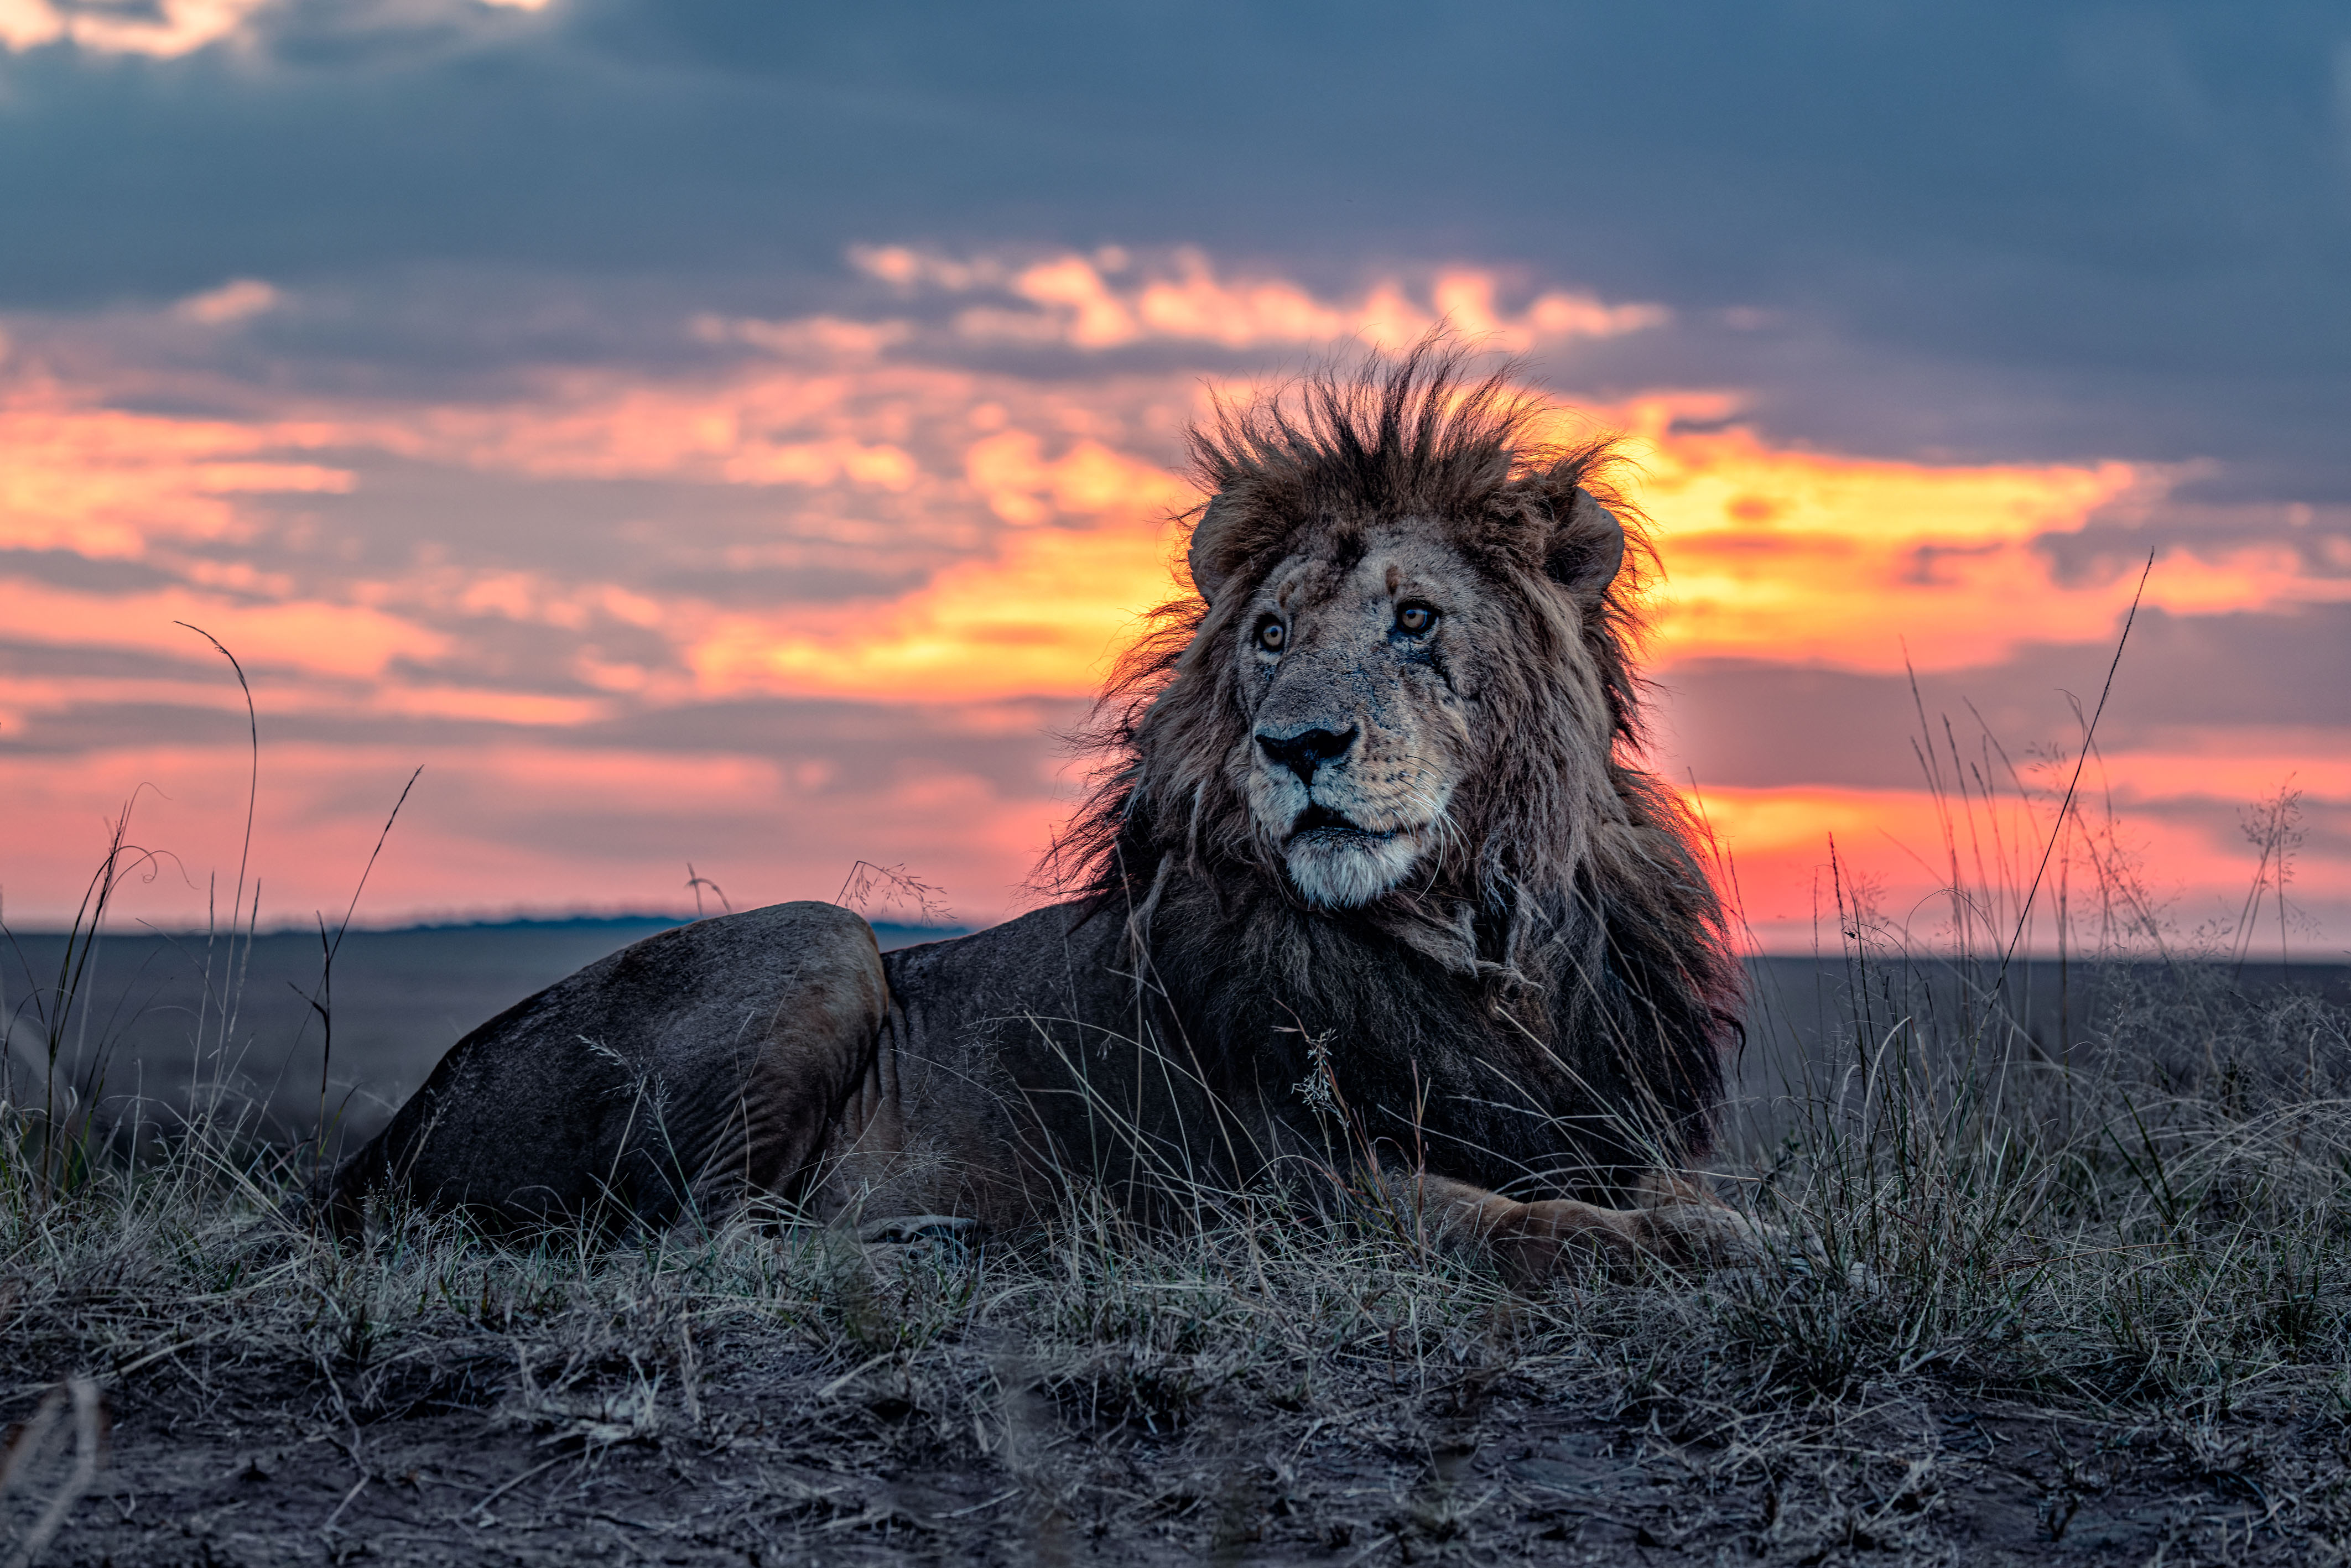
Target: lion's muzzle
1344, 837
1305, 752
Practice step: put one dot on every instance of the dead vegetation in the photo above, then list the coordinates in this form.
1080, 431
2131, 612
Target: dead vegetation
2048, 1312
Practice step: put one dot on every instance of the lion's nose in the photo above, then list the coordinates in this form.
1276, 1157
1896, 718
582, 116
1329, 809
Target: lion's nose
1304, 752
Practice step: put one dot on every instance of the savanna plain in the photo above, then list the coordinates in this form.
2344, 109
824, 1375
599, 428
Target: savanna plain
2061, 1274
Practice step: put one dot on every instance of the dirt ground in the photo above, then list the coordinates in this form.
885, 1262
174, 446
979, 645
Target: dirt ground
767, 1455
2082, 1320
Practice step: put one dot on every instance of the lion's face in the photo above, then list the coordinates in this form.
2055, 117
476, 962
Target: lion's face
1357, 668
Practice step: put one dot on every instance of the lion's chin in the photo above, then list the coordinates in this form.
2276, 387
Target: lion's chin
1346, 870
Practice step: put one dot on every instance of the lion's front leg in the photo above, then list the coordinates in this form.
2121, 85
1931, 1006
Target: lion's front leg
1675, 1221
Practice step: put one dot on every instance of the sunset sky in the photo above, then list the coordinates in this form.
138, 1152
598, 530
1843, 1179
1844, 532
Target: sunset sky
740, 434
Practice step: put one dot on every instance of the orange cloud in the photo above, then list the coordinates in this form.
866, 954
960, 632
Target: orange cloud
2242, 762
233, 301
1794, 556
1090, 480
764, 430
1769, 554
1800, 555
103, 482
169, 28
1107, 300
1033, 517
308, 635
164, 29
1044, 615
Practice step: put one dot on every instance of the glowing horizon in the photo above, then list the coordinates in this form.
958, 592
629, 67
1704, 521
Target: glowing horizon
994, 533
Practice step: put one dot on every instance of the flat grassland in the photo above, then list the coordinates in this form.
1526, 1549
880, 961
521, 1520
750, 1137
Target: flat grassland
2089, 1305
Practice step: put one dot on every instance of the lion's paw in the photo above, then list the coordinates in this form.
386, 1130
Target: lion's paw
1706, 1231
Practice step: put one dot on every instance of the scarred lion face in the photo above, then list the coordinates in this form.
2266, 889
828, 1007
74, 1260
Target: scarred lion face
1358, 674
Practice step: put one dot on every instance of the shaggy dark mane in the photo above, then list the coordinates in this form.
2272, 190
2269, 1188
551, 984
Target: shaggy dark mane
1576, 908
1381, 440
1409, 439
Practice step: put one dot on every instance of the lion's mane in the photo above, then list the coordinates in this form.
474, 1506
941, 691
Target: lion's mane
1562, 972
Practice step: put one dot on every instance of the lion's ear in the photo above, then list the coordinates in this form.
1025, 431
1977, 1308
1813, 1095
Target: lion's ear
1206, 559
1586, 547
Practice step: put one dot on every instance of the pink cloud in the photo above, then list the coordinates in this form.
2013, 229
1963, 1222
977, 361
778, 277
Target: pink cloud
1108, 300
998, 535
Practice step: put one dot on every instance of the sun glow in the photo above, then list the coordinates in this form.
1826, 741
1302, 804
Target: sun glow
877, 512
103, 482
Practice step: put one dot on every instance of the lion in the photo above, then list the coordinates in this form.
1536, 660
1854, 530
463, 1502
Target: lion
1370, 889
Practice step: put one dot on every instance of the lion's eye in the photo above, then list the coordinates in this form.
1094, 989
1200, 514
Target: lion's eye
1271, 636
1415, 618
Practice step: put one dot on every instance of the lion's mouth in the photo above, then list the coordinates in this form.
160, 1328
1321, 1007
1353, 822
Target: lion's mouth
1338, 864
1318, 824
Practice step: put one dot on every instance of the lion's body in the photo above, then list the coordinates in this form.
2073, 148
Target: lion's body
1369, 871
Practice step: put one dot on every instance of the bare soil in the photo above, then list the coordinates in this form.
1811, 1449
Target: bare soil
759, 1451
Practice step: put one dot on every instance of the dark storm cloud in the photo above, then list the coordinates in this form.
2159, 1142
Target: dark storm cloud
1740, 724
2318, 538
2136, 218
402, 513
70, 568
83, 661
870, 742
862, 748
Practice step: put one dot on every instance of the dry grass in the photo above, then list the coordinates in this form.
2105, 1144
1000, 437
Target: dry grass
2118, 1296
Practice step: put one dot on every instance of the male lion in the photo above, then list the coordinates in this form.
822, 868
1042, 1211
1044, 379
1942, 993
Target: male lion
1370, 872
